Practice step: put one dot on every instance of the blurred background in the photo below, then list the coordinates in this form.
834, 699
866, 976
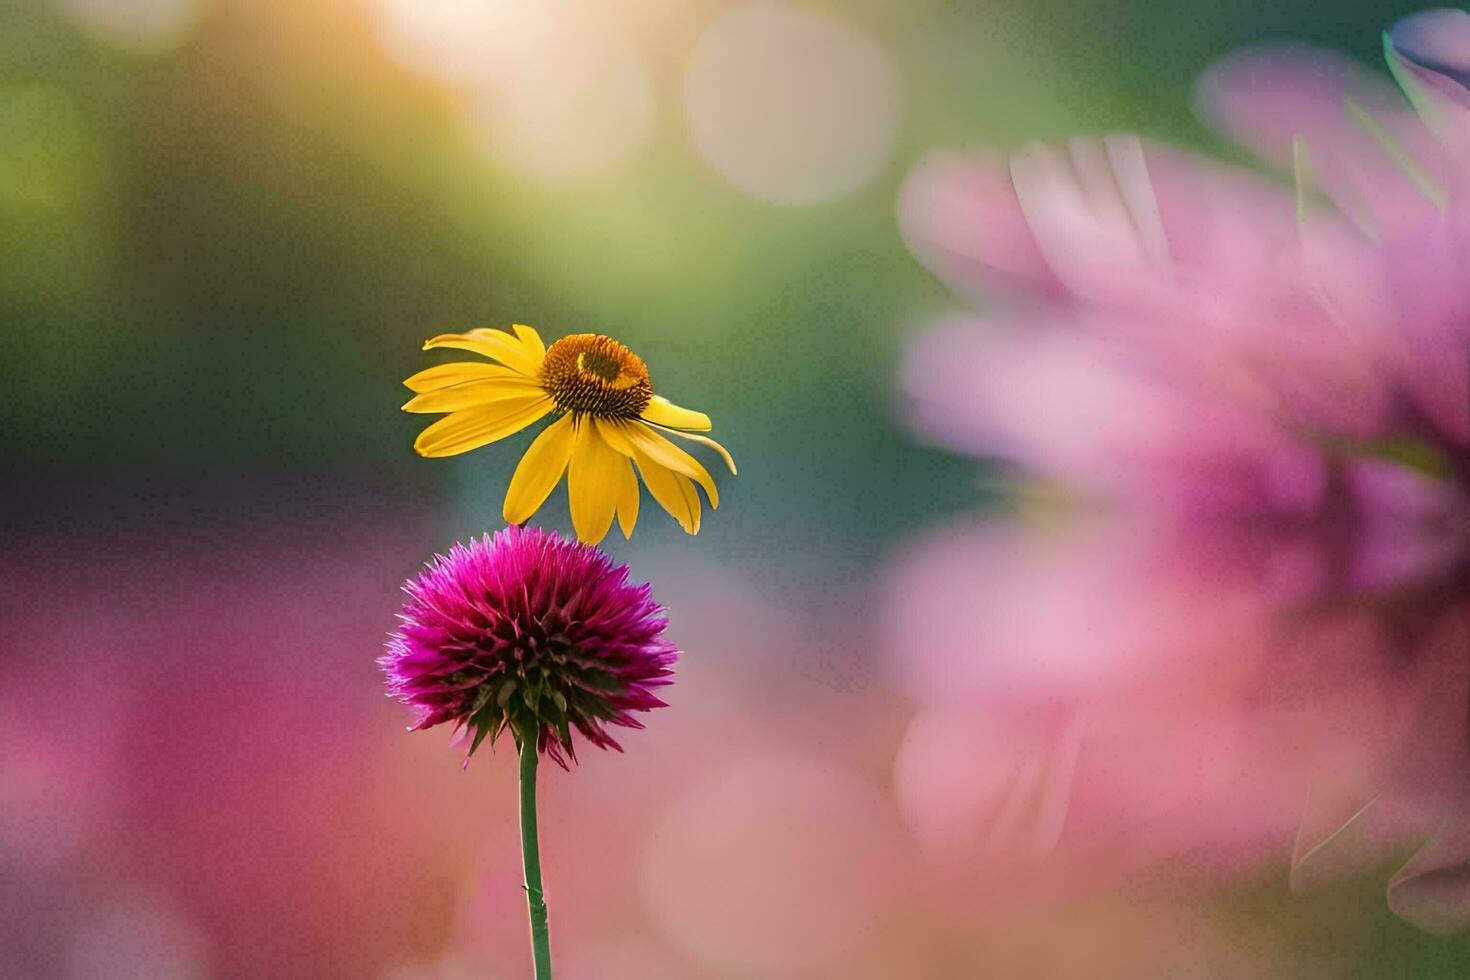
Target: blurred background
229, 225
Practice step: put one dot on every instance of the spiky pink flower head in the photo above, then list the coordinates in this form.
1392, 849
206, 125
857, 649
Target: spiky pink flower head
530, 632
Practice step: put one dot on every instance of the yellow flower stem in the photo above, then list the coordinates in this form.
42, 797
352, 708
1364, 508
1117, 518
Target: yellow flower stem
531, 859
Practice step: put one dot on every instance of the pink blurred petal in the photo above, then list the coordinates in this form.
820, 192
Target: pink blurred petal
1005, 803
1139, 227
1432, 890
1344, 836
1070, 406
1052, 617
959, 216
1427, 349
1430, 54
1270, 97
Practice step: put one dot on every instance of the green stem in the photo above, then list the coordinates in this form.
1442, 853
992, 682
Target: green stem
531, 860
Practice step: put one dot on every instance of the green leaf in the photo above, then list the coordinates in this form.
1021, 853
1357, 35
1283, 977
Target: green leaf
480, 732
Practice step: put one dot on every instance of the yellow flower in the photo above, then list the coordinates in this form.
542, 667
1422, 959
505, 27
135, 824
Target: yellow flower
608, 422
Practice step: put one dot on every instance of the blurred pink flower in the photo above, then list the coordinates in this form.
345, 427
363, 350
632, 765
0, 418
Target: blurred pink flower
1118, 699
1263, 392
222, 752
1208, 313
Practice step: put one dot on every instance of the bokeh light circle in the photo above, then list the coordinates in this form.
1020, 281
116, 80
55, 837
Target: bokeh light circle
775, 865
555, 92
143, 26
450, 41
789, 105
580, 119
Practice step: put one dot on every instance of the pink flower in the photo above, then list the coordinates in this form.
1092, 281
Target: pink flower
530, 632
1217, 314
1178, 336
1261, 391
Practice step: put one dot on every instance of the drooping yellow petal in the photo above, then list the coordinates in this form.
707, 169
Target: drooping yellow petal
691, 497
531, 340
661, 411
539, 471
456, 373
473, 393
673, 491
475, 427
593, 483
494, 344
648, 442
628, 499
704, 441
614, 432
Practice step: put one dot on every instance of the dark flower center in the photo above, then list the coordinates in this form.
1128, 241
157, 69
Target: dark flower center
590, 374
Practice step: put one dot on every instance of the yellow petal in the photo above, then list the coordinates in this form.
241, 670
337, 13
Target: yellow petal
539, 471
494, 344
525, 337
615, 434
473, 393
593, 483
530, 339
645, 440
691, 497
673, 491
628, 499
661, 411
475, 427
705, 441
448, 375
